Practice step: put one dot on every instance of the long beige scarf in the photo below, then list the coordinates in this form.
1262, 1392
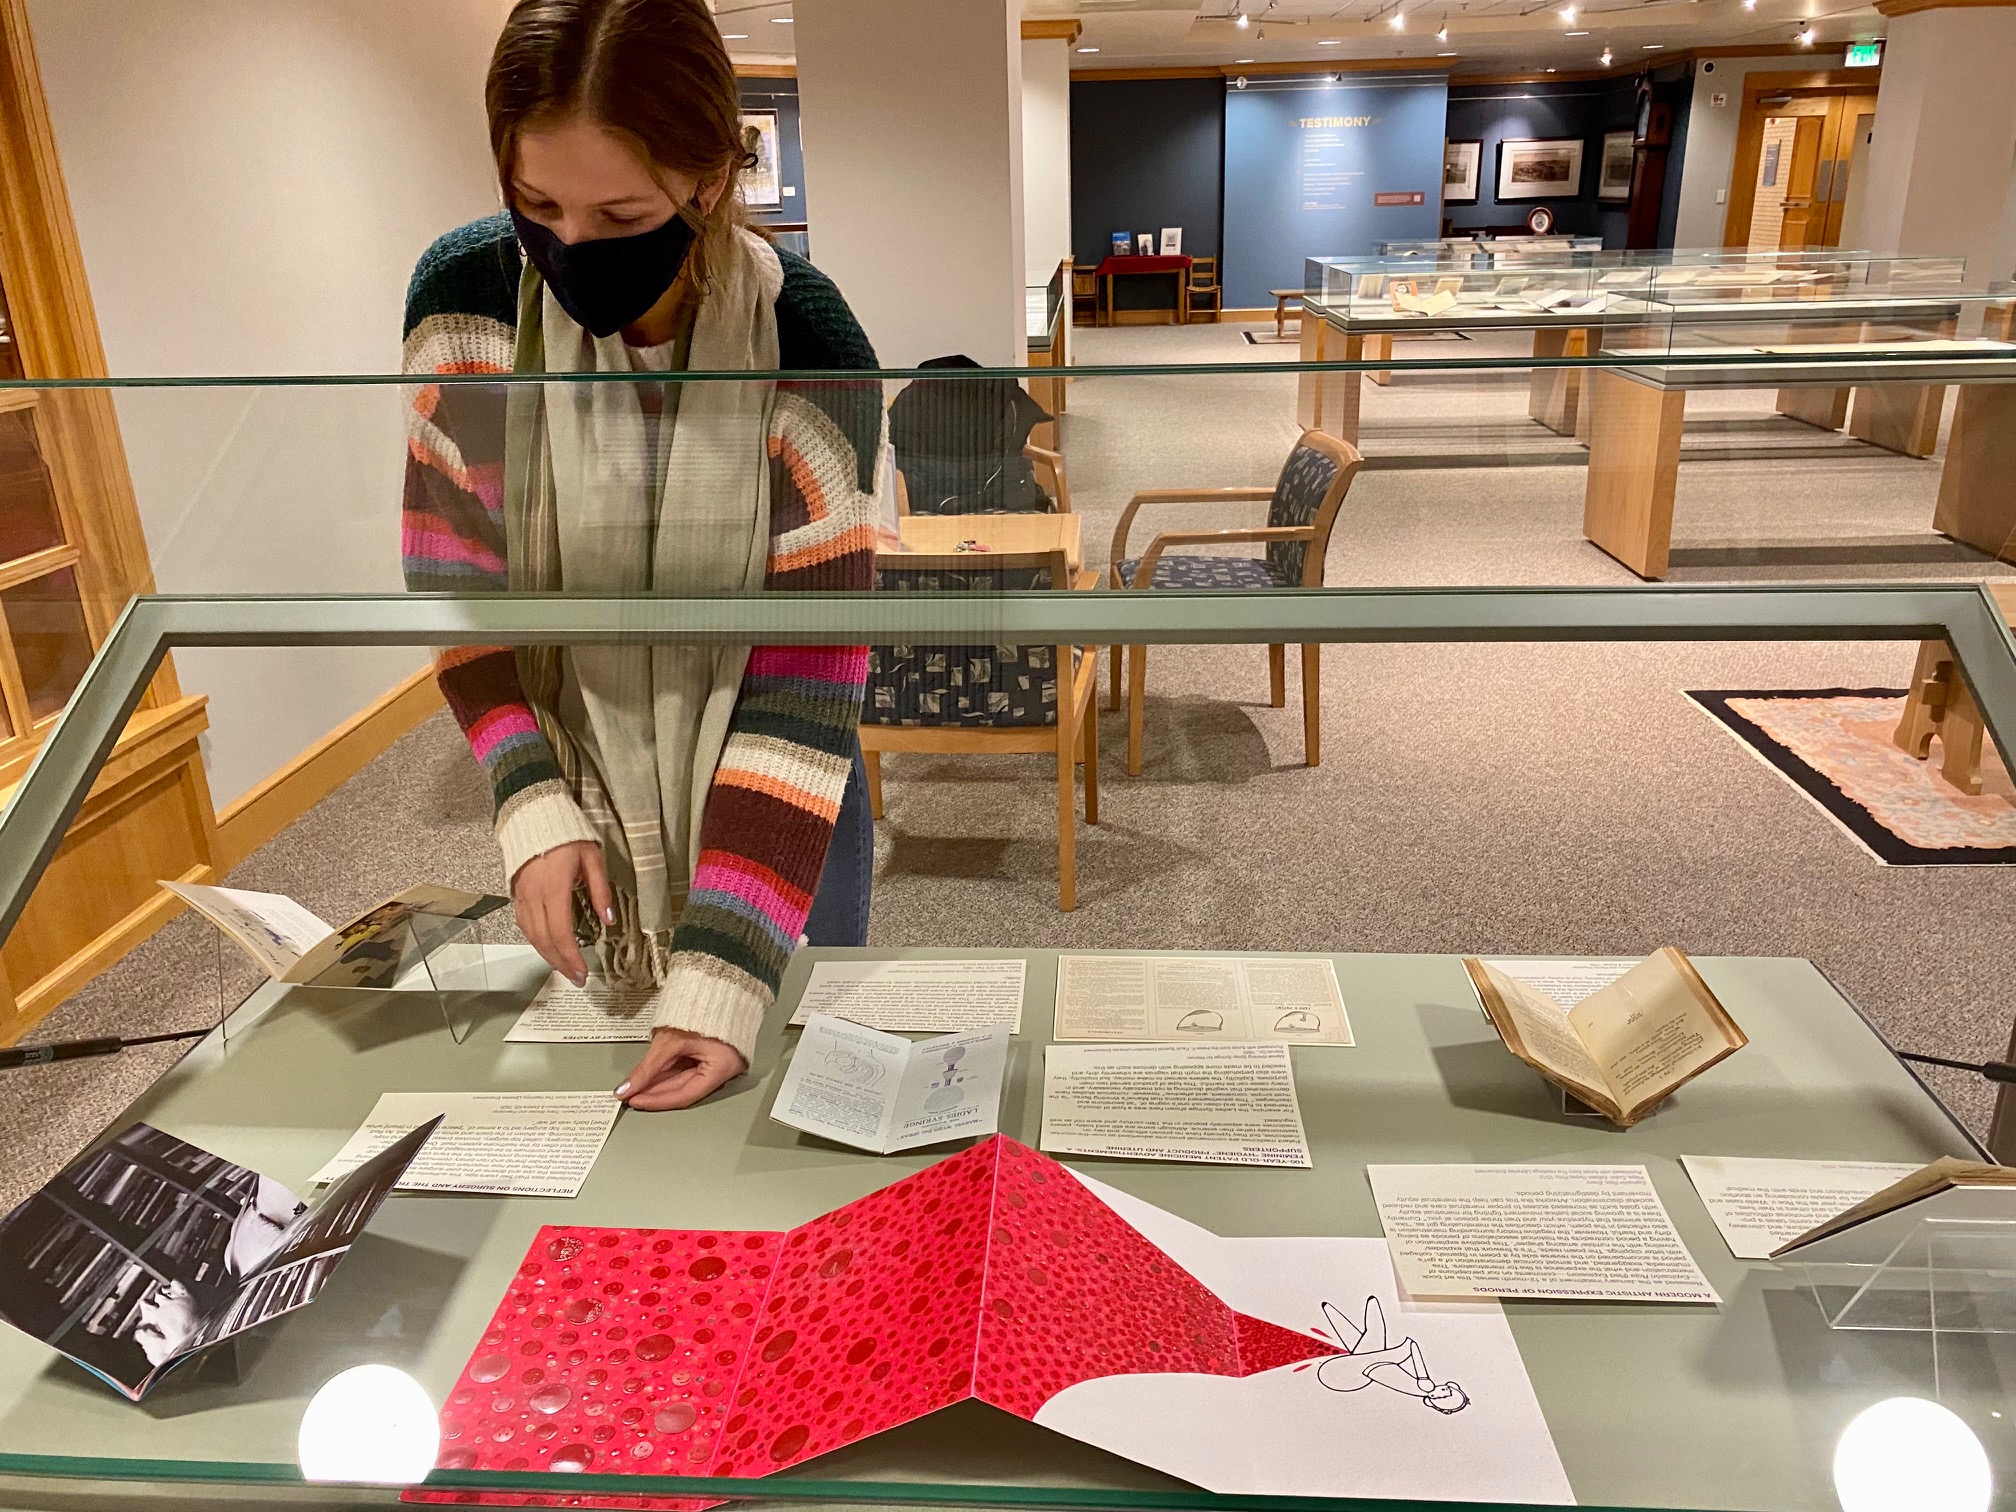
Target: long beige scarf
602, 497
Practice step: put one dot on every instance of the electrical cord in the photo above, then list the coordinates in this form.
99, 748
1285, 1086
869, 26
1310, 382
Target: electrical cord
1995, 1071
63, 1050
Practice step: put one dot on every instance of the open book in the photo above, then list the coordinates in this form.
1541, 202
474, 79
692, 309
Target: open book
146, 1251
1409, 300
1944, 1175
1623, 1049
290, 944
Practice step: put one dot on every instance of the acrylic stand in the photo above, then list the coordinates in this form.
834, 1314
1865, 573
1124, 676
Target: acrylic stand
444, 958
1919, 1274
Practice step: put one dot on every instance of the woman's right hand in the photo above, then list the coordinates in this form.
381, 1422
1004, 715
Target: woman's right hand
543, 893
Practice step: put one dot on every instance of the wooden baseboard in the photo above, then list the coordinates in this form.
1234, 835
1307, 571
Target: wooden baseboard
1247, 317
249, 821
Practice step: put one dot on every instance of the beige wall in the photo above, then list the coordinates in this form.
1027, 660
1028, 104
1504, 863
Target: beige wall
252, 181
911, 113
1710, 150
1046, 155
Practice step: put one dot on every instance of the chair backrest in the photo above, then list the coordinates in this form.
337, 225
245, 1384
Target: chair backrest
1308, 493
1203, 272
978, 685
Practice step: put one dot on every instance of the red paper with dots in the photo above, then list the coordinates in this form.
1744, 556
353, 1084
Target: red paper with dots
994, 1274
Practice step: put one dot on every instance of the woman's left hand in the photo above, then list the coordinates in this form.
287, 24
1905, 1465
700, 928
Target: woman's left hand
678, 1070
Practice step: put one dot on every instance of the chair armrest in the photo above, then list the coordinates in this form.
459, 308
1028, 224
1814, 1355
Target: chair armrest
1053, 462
1178, 496
1144, 574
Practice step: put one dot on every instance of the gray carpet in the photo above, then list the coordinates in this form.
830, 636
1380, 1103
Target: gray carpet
1471, 798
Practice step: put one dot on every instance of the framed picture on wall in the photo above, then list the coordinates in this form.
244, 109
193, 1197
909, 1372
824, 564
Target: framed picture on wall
1460, 160
1540, 168
762, 179
1613, 179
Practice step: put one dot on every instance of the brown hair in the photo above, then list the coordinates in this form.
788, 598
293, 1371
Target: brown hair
653, 71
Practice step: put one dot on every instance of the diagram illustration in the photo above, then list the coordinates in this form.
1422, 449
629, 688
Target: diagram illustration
1298, 1021
1370, 1360
1202, 1021
945, 1089
860, 1068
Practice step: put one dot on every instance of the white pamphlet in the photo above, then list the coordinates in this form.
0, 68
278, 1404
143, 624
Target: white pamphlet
1593, 1233
1567, 981
269, 927
515, 1144
937, 996
881, 1092
1762, 1205
601, 1012
1232, 1000
1215, 1104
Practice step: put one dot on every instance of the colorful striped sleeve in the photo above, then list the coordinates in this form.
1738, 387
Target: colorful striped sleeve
458, 321
790, 749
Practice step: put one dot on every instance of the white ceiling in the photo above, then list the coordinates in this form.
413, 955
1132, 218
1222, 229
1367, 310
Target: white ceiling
1483, 36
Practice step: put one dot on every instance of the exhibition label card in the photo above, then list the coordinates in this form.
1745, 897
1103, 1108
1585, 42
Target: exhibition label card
512, 1144
935, 996
1212, 1104
1762, 1205
1231, 1000
1590, 1233
1567, 981
602, 1012
881, 1092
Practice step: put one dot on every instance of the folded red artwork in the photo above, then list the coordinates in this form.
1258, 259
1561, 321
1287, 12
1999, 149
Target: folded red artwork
994, 1274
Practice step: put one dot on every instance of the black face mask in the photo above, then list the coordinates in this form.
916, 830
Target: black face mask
608, 284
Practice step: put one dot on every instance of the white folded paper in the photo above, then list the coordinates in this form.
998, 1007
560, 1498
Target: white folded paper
1214, 1104
935, 996
881, 1092
514, 1144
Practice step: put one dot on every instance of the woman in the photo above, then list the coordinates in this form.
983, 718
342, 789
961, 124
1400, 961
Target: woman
671, 804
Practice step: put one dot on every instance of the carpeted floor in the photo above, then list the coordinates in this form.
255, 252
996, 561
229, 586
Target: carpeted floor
1472, 798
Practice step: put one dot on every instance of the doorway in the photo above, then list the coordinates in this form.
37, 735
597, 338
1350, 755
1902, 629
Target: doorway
1796, 158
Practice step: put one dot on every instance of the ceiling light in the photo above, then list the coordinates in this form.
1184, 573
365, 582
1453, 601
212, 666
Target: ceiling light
1804, 38
781, 20
1605, 59
734, 36
1578, 34
1088, 49
1397, 21
1328, 42
1550, 70
1243, 60
1749, 4
1241, 20
1652, 47
1445, 55
1568, 14
1442, 32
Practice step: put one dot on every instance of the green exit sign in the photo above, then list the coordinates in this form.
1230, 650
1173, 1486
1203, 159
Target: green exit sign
1863, 55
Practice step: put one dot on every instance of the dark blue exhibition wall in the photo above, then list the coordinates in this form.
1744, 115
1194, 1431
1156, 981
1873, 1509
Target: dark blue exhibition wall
1146, 153
1317, 169
1495, 113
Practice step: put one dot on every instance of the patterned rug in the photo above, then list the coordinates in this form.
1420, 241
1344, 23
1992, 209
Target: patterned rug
1834, 745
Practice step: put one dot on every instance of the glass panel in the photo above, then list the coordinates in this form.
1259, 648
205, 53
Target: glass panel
52, 643
28, 519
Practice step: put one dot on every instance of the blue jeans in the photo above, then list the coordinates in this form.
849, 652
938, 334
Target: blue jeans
839, 913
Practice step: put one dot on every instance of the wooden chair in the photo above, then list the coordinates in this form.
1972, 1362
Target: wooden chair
986, 700
1203, 292
1301, 510
1084, 295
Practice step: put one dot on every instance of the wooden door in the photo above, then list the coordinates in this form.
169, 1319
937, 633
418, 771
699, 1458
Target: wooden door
1849, 127
1795, 147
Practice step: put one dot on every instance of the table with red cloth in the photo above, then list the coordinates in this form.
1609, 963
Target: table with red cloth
1178, 268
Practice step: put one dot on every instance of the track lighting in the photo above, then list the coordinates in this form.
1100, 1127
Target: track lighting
1804, 37
1397, 21
1442, 33
1605, 59
1568, 14
1242, 20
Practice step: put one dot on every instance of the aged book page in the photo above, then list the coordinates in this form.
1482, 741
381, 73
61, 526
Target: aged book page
1652, 1029
1538, 1030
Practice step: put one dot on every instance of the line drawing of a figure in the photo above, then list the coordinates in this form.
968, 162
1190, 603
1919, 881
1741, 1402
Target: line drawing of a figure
1370, 1360
1298, 1021
946, 1092
1202, 1021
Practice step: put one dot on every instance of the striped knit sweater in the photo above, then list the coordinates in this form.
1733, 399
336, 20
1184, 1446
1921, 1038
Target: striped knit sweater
777, 790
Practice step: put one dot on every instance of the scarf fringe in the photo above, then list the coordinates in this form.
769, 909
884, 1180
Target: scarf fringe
630, 954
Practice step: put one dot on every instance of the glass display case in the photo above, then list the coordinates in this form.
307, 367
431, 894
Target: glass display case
1082, 742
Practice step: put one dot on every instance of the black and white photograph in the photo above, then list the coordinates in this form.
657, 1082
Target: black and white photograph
1460, 164
1613, 179
1540, 168
147, 1250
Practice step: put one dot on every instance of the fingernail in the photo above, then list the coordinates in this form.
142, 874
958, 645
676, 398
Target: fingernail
624, 1090
580, 979
608, 916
